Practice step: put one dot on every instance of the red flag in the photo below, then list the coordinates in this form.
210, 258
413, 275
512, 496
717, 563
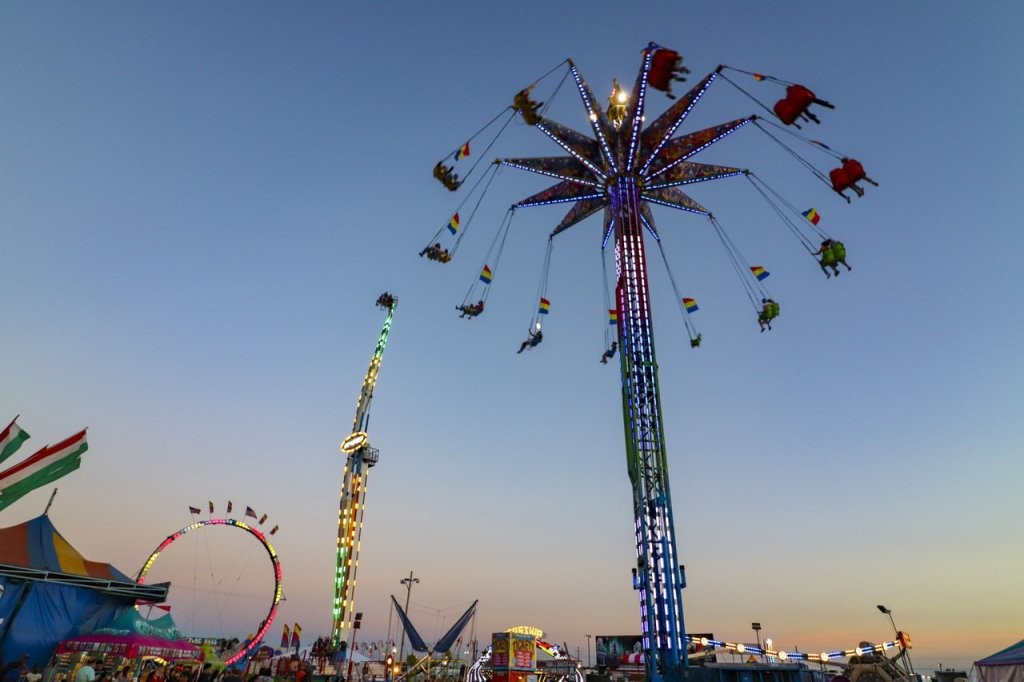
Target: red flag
250, 512
195, 510
262, 519
211, 507
229, 506
296, 631
284, 637
273, 530
163, 607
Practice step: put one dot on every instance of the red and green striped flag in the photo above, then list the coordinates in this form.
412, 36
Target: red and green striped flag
46, 466
11, 439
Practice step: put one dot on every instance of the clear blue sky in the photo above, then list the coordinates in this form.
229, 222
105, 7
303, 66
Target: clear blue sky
199, 204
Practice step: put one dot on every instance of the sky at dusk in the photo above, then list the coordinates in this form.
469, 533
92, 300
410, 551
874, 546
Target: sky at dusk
200, 203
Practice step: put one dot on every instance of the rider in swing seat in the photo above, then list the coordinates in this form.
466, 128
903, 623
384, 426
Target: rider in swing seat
532, 342
471, 310
527, 107
610, 353
769, 311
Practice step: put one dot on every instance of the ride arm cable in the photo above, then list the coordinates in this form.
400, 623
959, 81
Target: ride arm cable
499, 240
737, 86
738, 264
804, 241
542, 288
494, 172
803, 138
807, 164
691, 330
490, 144
763, 76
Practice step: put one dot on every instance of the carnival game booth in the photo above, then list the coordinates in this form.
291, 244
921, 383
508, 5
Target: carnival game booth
49, 592
1003, 666
130, 640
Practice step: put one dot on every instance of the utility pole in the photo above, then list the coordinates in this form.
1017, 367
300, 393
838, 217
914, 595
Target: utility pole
408, 593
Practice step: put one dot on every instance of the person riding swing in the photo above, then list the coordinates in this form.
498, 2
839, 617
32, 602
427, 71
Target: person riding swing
446, 176
471, 310
610, 353
533, 341
769, 311
527, 107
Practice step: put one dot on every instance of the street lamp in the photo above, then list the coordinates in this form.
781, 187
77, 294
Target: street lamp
588, 649
408, 593
906, 650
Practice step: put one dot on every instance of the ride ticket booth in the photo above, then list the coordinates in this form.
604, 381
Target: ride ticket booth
513, 657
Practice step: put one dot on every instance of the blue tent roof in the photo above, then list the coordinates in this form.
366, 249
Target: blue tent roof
1011, 655
38, 613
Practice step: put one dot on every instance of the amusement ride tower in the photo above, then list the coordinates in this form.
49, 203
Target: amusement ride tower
360, 458
620, 171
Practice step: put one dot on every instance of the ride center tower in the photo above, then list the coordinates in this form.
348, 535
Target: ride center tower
360, 459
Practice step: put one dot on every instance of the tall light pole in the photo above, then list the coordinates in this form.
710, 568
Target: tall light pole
906, 651
588, 649
408, 593
756, 627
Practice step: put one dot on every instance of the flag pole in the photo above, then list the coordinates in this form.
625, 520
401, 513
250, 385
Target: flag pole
52, 495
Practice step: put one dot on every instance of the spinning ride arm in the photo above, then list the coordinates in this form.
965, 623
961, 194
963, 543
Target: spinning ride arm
360, 457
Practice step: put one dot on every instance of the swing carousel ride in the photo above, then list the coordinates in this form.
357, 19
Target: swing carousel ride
620, 170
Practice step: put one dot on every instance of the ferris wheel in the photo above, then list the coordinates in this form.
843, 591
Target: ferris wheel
225, 581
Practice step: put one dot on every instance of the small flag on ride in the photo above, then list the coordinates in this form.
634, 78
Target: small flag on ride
262, 519
758, 76
463, 152
249, 512
285, 636
453, 224
195, 510
11, 439
229, 506
545, 307
812, 215
45, 466
211, 507
163, 607
759, 272
296, 632
691, 305
613, 317
273, 530
486, 275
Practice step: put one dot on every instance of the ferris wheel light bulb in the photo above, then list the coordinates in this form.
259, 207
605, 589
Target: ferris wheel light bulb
622, 97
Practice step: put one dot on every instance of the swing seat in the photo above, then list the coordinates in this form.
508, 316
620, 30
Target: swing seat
663, 68
840, 179
800, 96
769, 312
787, 111
854, 170
828, 258
527, 107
